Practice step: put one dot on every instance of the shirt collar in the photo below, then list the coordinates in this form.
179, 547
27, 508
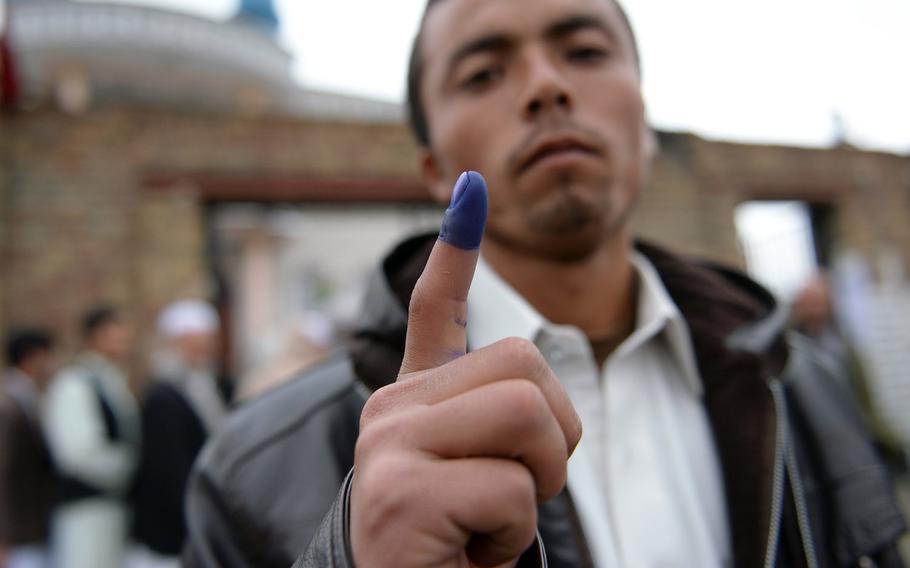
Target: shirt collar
657, 315
497, 311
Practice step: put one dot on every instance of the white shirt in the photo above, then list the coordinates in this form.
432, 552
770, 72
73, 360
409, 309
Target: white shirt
75, 427
645, 477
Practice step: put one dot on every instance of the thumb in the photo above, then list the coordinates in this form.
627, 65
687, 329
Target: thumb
437, 315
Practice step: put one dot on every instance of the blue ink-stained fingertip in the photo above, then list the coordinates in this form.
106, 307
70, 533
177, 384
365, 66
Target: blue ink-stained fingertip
463, 223
459, 188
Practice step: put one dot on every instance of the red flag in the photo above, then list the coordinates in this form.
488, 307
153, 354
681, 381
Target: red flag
9, 83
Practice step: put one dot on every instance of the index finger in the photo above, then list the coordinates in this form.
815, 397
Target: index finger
437, 315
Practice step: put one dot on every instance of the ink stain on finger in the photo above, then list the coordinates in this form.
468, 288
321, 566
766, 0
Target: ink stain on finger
464, 220
456, 354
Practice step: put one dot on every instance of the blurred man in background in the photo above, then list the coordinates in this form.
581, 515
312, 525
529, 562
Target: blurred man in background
835, 359
26, 471
93, 428
813, 314
182, 406
309, 341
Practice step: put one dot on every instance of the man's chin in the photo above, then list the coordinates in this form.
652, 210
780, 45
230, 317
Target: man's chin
569, 226
570, 248
562, 246
570, 229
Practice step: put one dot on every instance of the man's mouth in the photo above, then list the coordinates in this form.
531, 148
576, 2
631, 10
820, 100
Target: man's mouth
556, 149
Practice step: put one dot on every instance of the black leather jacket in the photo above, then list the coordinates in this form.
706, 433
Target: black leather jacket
803, 485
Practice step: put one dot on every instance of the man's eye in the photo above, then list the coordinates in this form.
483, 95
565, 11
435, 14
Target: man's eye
588, 54
481, 78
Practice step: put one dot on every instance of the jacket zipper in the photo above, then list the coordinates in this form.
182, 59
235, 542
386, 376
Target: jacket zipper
777, 495
785, 463
802, 516
543, 551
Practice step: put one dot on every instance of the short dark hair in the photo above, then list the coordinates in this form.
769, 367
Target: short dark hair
97, 317
23, 343
417, 116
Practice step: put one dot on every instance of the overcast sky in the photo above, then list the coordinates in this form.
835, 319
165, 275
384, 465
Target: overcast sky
774, 71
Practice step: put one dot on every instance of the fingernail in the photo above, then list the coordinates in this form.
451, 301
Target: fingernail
463, 223
460, 184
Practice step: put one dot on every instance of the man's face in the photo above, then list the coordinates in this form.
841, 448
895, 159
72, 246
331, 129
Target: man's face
40, 366
543, 98
198, 349
812, 311
114, 339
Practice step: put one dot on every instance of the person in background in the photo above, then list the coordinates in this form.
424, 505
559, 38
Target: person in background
812, 313
833, 355
183, 404
93, 429
310, 341
26, 471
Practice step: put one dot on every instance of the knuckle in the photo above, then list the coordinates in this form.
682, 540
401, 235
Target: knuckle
520, 347
554, 482
380, 495
525, 353
420, 305
381, 433
377, 405
526, 403
528, 527
520, 491
576, 429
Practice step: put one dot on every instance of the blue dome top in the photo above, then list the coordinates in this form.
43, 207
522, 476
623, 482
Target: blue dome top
260, 11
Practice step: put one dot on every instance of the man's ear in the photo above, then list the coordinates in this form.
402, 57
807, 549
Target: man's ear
652, 144
434, 177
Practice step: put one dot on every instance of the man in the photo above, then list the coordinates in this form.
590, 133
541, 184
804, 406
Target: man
829, 350
26, 472
181, 407
690, 456
93, 429
812, 314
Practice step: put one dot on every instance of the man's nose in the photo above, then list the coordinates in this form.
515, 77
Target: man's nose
547, 91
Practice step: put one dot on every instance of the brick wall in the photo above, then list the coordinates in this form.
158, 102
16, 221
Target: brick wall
80, 220
80, 223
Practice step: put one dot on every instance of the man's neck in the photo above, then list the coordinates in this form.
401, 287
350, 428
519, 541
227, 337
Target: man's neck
102, 354
597, 294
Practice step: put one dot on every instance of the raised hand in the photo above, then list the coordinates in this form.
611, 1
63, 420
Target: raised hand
454, 457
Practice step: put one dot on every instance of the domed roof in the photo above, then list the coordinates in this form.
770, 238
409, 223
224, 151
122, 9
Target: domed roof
129, 52
259, 12
84, 54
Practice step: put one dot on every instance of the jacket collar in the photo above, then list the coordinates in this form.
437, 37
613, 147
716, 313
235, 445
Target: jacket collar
377, 345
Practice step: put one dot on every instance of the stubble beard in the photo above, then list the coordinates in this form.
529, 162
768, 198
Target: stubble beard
569, 227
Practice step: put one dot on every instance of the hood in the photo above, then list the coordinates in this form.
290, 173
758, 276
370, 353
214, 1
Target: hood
378, 341
723, 307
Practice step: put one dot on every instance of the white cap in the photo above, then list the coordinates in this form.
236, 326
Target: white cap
187, 316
